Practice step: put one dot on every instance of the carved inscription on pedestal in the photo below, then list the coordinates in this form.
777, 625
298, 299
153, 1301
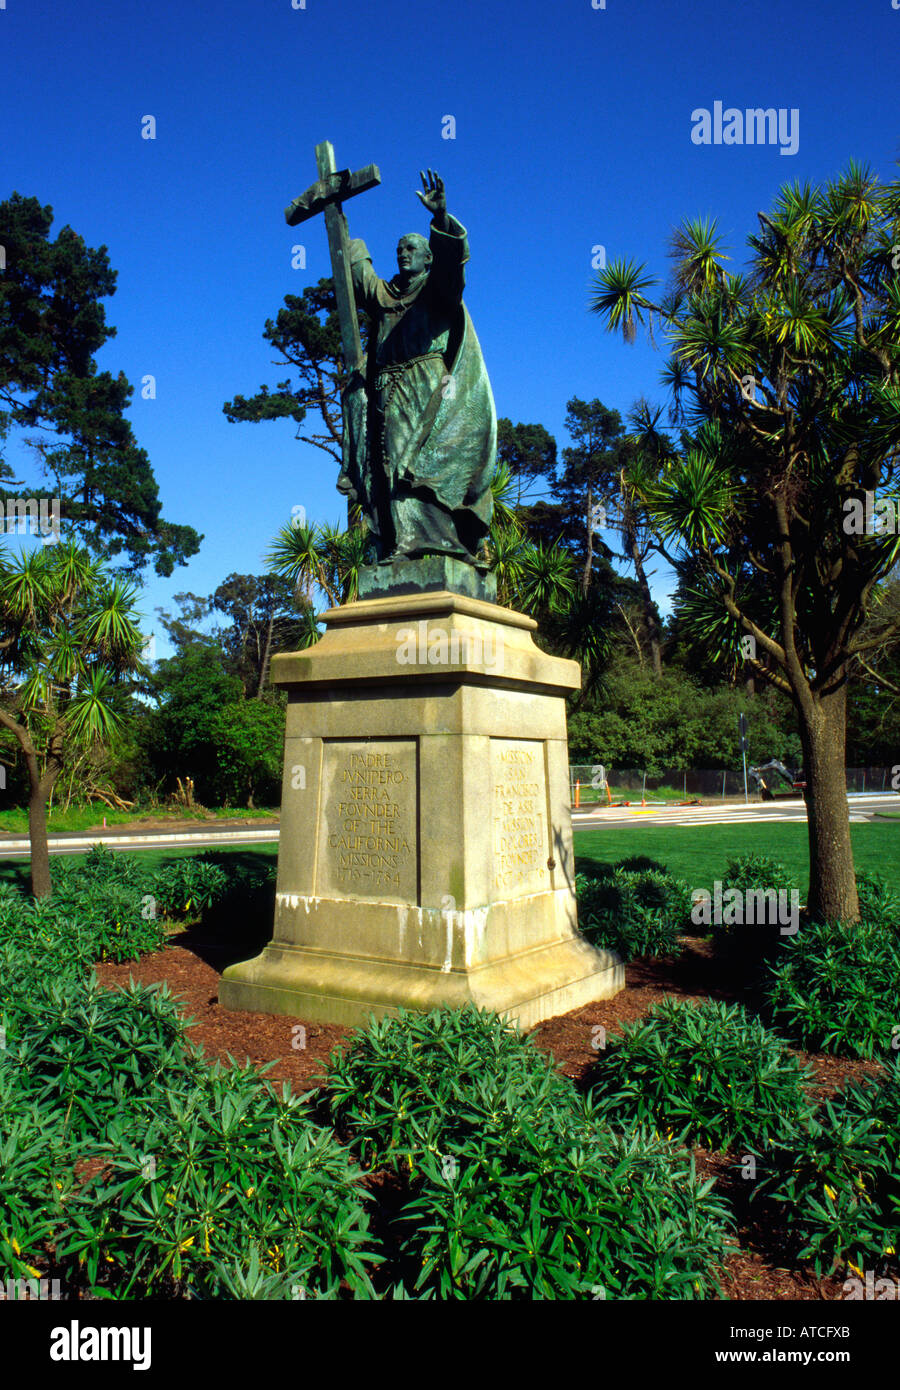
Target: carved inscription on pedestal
368, 838
519, 809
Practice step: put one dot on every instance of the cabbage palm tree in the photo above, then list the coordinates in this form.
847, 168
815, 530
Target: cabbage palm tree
787, 379
68, 632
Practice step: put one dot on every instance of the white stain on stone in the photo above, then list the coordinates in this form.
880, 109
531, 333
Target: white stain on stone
474, 927
448, 952
471, 924
294, 900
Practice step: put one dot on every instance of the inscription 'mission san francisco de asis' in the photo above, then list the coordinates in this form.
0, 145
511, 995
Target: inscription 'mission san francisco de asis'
520, 845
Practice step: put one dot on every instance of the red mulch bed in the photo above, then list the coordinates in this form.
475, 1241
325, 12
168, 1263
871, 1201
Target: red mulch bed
191, 966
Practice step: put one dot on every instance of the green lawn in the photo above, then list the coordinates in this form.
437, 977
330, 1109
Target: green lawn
699, 854
17, 870
79, 818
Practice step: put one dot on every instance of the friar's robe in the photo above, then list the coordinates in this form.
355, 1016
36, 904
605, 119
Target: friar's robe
420, 431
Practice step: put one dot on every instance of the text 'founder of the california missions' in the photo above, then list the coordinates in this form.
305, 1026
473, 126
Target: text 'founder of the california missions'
420, 429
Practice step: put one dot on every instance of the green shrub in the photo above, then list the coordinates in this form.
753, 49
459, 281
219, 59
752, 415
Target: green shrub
36, 946
215, 1173
101, 868
564, 1214
757, 871
836, 988
878, 903
94, 1053
634, 912
838, 1176
638, 863
32, 1173
753, 943
187, 888
148, 1172
513, 1188
406, 1084
107, 902
151, 1173
707, 1071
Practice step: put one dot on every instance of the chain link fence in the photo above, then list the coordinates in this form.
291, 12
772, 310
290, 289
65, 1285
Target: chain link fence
592, 782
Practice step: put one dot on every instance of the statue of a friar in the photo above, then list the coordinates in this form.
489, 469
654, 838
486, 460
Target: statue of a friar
420, 428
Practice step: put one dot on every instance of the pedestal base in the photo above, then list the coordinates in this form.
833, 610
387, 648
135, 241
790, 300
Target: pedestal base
426, 843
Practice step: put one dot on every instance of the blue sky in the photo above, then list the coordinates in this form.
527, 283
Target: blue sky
573, 129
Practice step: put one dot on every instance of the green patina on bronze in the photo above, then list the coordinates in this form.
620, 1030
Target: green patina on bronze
427, 573
419, 424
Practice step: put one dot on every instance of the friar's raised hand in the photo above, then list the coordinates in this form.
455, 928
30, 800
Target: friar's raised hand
434, 197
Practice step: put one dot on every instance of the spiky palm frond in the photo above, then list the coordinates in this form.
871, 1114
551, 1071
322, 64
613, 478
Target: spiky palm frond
695, 247
113, 629
694, 503
504, 492
91, 717
546, 578
618, 295
295, 554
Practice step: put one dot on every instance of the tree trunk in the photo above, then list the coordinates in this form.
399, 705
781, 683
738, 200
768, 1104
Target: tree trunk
832, 879
650, 616
589, 552
41, 886
263, 670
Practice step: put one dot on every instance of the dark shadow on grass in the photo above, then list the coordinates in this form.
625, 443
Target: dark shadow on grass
241, 925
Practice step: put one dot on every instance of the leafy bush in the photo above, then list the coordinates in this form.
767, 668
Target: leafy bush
878, 903
835, 988
188, 887
151, 1173
638, 863
708, 1071
755, 871
95, 1053
37, 946
513, 1189
564, 1214
145, 1170
405, 1085
31, 1175
839, 1176
214, 1176
101, 868
634, 912
753, 943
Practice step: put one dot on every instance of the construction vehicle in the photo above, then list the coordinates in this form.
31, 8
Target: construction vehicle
763, 776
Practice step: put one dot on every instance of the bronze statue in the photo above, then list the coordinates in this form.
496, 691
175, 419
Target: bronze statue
420, 429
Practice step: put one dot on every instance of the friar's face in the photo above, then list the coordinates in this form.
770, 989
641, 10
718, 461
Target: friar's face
413, 255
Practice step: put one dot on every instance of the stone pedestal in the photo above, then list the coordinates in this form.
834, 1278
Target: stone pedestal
426, 840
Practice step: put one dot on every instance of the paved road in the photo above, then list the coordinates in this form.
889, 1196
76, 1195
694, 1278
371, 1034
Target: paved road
862, 808
121, 838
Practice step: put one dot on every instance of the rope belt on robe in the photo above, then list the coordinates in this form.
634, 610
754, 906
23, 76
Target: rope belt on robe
389, 375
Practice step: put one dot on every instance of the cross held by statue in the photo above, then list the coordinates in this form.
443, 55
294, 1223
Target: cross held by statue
332, 188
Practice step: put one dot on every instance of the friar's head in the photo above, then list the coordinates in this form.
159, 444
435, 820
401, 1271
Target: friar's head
413, 255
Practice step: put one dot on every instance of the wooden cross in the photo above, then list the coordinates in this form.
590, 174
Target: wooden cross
333, 187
